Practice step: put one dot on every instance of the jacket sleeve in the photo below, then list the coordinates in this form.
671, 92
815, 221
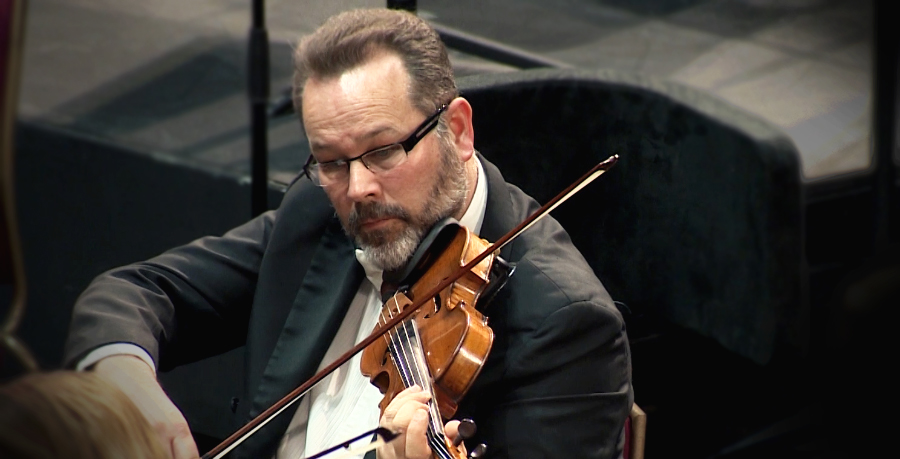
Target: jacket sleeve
569, 391
559, 385
186, 304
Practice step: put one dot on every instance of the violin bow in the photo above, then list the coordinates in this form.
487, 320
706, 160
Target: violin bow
263, 418
382, 435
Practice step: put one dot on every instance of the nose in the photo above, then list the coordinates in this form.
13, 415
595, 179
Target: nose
362, 183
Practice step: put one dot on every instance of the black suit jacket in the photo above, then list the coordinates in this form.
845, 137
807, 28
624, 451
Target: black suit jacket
557, 382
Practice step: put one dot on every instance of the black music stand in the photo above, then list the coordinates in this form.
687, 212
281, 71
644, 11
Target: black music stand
258, 92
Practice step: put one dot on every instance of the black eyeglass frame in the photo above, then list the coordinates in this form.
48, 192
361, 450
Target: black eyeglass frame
406, 144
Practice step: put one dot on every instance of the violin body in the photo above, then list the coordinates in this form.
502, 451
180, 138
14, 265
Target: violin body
455, 337
456, 347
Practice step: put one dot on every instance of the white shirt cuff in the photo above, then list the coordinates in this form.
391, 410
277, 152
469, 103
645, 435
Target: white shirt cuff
115, 349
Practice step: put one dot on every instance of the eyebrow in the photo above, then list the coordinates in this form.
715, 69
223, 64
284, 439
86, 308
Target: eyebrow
313, 145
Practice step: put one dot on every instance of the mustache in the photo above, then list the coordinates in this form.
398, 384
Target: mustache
374, 211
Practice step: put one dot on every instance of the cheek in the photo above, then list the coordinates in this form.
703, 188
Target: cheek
419, 179
409, 191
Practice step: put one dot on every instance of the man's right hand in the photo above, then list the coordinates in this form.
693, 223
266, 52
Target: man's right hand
407, 414
138, 381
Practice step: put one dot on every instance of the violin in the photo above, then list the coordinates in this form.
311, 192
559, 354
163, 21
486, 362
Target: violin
443, 347
404, 307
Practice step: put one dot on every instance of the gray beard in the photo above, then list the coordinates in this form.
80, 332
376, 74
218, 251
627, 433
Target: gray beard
446, 198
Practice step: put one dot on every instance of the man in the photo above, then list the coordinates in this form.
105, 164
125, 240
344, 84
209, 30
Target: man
392, 153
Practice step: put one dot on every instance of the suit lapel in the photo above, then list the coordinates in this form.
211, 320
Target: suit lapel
332, 280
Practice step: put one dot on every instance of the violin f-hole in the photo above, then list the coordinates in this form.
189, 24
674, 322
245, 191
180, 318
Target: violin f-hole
437, 306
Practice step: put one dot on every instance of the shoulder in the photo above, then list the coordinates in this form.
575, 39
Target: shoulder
552, 277
302, 197
304, 213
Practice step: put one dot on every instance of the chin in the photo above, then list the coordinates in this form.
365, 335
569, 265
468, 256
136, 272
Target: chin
391, 252
385, 235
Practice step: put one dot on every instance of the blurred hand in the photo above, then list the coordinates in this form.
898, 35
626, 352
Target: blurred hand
138, 381
407, 414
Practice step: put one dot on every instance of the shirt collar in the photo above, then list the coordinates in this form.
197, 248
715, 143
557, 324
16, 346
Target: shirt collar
474, 216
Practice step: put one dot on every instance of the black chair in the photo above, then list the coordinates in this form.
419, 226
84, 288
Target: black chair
696, 232
699, 222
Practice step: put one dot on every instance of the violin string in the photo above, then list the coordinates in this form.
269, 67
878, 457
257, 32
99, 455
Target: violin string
424, 374
411, 341
403, 356
395, 348
409, 367
435, 428
398, 352
401, 351
390, 339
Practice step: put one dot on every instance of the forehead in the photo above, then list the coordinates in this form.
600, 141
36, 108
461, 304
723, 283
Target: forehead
381, 84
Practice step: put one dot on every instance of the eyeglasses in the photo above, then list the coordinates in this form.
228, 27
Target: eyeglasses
379, 160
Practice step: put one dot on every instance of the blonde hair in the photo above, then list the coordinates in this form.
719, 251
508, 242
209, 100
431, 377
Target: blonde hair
72, 415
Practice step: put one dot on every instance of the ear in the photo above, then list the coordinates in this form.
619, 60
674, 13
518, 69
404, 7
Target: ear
459, 116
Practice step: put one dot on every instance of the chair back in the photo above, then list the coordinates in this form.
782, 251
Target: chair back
699, 222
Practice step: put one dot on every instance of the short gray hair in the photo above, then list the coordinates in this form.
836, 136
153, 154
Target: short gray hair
349, 39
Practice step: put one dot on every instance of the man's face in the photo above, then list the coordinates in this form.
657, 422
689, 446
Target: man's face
365, 108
